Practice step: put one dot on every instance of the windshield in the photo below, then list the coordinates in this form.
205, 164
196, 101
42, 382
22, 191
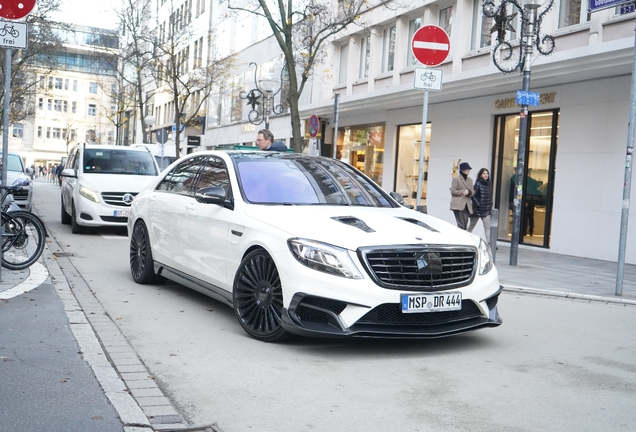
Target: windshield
14, 163
102, 161
306, 181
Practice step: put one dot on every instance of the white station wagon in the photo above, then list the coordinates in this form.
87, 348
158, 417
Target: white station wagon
300, 244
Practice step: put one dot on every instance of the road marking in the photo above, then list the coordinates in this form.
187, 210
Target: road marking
37, 275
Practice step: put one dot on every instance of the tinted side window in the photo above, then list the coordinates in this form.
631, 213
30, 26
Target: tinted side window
181, 179
214, 173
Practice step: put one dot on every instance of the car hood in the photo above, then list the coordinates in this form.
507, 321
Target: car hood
116, 183
353, 227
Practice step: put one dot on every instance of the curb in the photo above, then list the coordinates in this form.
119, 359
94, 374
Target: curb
563, 294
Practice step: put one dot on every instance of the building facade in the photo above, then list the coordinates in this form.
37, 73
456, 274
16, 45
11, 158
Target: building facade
577, 135
73, 102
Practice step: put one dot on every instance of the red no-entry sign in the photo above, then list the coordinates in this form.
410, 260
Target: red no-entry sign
16, 9
430, 45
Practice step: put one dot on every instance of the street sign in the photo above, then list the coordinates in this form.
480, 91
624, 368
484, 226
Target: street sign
13, 34
597, 5
527, 98
174, 127
16, 9
627, 8
162, 136
428, 79
313, 125
430, 45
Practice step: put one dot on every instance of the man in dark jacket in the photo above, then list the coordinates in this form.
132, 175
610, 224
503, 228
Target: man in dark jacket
265, 141
58, 171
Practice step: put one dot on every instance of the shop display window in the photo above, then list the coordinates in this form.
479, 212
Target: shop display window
363, 148
408, 163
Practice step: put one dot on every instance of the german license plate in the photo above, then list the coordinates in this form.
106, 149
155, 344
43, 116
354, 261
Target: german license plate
431, 302
121, 213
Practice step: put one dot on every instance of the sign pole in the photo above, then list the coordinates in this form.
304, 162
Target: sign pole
420, 171
627, 184
336, 101
5, 133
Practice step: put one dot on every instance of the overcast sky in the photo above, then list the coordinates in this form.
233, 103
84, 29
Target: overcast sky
94, 13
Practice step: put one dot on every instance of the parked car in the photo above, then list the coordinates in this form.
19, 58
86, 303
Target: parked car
100, 182
309, 245
18, 175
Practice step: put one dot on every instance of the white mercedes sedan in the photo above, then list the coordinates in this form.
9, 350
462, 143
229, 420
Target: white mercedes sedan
307, 245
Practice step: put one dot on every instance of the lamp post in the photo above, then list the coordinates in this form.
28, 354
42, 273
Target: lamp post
150, 122
509, 58
261, 98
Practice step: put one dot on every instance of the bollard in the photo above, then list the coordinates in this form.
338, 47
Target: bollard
494, 230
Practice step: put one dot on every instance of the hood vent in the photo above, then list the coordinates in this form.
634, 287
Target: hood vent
419, 222
354, 222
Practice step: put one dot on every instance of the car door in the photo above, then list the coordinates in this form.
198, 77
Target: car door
205, 227
168, 204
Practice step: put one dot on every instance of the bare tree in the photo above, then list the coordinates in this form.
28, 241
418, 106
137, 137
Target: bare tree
301, 27
188, 79
136, 55
38, 58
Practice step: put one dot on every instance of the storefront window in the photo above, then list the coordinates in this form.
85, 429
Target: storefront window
363, 148
408, 163
538, 184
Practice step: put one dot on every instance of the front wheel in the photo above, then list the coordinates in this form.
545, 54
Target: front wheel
258, 297
23, 240
75, 227
65, 217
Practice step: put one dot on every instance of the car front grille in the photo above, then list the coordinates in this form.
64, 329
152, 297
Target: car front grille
116, 198
391, 313
420, 268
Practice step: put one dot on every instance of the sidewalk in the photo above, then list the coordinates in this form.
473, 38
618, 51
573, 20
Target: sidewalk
542, 272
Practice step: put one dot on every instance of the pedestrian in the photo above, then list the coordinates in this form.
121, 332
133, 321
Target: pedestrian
40, 171
461, 192
52, 173
58, 171
265, 141
482, 202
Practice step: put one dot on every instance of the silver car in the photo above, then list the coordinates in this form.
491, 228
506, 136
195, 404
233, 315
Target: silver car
17, 176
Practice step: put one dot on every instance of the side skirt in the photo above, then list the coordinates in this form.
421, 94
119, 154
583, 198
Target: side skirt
204, 288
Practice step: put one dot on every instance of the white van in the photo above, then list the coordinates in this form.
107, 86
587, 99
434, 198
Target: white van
163, 153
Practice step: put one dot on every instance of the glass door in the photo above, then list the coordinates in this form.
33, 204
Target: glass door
408, 162
538, 184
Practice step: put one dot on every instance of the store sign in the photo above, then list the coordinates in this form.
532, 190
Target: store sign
248, 128
544, 98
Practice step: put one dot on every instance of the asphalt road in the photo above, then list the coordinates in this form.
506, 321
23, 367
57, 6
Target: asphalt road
555, 364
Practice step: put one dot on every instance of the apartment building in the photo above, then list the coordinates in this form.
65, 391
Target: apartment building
73, 102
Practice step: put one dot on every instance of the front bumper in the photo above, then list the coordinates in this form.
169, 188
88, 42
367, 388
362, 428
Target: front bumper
320, 317
94, 214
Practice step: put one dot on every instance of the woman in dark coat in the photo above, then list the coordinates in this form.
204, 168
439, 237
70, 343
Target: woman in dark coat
482, 202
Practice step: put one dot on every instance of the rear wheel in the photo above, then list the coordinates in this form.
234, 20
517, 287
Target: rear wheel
141, 262
23, 240
75, 227
258, 297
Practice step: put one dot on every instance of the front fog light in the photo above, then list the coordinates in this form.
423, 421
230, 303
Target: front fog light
324, 257
485, 257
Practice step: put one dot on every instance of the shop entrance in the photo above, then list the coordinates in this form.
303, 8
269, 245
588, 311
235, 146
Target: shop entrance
538, 184
408, 162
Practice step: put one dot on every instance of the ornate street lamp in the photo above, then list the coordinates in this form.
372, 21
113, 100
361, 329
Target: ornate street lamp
509, 58
261, 98
150, 122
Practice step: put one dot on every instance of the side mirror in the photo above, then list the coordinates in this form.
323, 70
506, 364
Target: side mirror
68, 172
400, 199
211, 195
30, 171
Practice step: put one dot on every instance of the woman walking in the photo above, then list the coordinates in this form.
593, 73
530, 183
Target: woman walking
482, 202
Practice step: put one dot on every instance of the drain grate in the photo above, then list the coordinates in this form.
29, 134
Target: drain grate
63, 254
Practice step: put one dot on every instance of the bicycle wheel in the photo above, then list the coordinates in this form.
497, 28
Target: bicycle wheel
23, 239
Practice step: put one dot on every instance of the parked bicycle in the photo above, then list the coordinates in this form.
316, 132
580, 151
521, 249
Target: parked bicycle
23, 234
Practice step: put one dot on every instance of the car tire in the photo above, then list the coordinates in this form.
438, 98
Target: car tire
258, 297
65, 217
75, 227
141, 261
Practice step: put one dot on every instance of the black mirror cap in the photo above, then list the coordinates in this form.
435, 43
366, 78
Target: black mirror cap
211, 195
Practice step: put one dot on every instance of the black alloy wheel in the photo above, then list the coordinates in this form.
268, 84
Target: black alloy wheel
141, 262
258, 297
